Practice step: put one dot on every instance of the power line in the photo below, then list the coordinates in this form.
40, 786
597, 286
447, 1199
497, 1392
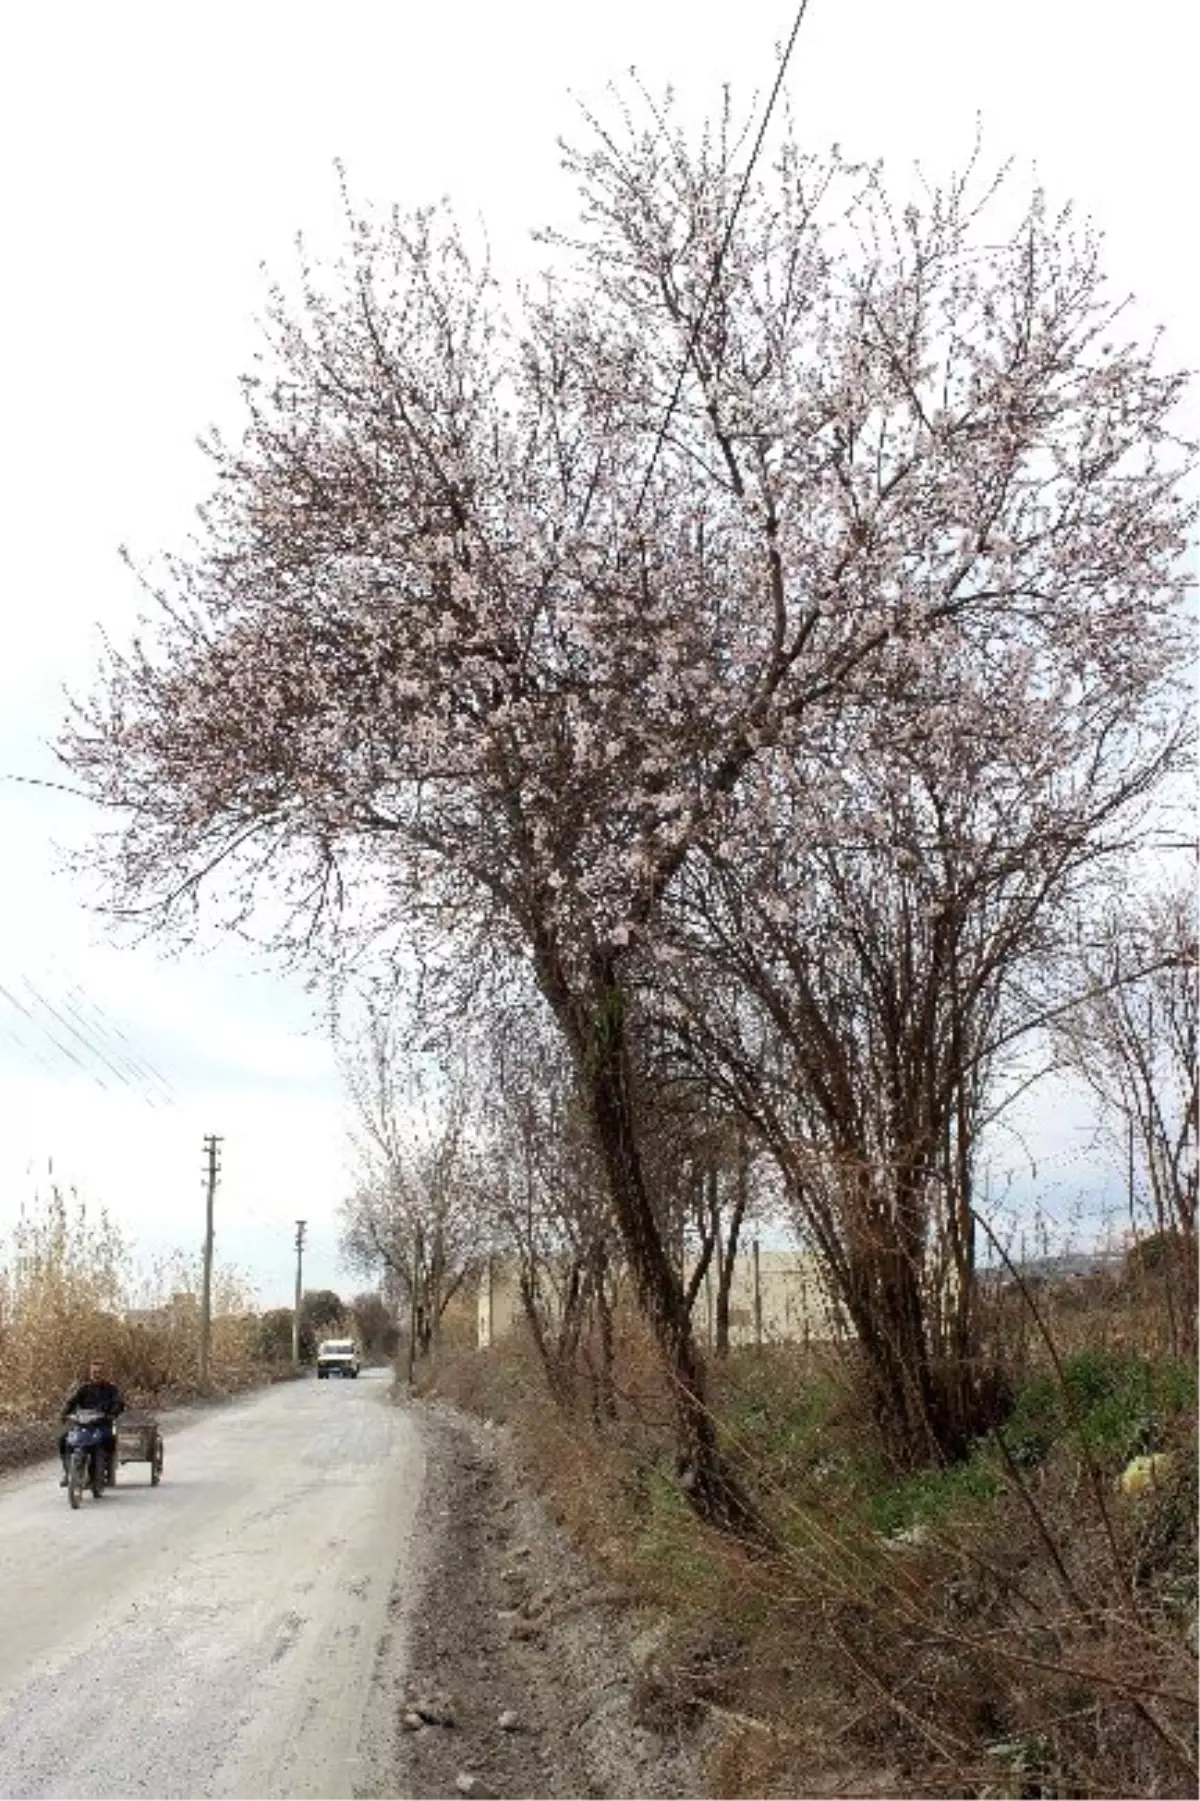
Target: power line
94, 1038
720, 258
30, 1050
37, 781
83, 1038
63, 1049
103, 1023
122, 1065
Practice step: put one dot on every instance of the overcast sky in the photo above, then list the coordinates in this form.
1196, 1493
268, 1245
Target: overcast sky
153, 158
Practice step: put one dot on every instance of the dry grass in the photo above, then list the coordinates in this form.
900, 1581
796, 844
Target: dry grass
69, 1293
1009, 1627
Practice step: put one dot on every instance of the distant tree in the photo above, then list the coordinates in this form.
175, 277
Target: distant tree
1134, 1037
376, 1329
322, 1312
548, 1202
413, 1215
1157, 1254
273, 1337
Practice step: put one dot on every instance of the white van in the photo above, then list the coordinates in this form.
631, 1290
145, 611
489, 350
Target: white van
337, 1357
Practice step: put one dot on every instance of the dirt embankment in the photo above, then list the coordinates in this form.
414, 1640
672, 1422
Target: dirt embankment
524, 1671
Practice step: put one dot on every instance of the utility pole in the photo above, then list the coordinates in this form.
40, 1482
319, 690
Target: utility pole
212, 1168
301, 1228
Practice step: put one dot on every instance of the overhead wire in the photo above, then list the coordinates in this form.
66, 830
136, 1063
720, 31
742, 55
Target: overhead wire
29, 1050
82, 1038
37, 781
90, 1036
63, 1049
84, 1007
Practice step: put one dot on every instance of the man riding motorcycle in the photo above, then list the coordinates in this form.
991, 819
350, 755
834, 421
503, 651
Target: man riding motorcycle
98, 1395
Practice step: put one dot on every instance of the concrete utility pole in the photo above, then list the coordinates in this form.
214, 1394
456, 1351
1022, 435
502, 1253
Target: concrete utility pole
212, 1168
301, 1228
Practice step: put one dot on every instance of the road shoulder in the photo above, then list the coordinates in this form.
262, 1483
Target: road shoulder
521, 1666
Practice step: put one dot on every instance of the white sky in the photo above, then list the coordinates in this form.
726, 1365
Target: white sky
151, 158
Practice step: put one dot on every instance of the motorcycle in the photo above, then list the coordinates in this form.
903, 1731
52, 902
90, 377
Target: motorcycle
89, 1454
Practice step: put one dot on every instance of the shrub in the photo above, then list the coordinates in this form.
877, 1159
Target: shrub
1117, 1403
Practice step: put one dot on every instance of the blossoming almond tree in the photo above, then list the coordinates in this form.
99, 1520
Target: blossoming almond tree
479, 616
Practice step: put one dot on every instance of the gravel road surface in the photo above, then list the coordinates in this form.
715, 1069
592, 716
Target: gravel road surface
223, 1634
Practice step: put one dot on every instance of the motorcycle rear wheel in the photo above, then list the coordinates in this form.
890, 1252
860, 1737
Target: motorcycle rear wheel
76, 1475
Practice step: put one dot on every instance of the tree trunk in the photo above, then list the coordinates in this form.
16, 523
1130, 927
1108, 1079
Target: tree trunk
607, 1079
608, 1355
559, 1373
928, 1407
727, 1254
604, 1398
593, 1023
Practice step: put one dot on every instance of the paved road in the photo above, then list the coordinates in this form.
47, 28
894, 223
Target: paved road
218, 1635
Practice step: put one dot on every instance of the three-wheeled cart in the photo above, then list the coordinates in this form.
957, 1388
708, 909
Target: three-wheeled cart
139, 1440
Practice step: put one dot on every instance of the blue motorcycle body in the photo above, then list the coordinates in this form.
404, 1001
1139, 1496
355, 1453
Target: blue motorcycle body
89, 1451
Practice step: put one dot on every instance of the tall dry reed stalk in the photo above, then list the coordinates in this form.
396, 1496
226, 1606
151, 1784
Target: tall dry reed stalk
71, 1291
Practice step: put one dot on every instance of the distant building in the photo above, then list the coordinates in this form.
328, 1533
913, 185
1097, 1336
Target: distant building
775, 1296
181, 1310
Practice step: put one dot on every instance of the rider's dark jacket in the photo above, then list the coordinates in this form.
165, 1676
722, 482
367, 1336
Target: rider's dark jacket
97, 1397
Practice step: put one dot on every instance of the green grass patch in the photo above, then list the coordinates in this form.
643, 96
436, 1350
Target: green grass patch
800, 1444
1116, 1404
773, 1423
668, 1545
930, 1496
1113, 1404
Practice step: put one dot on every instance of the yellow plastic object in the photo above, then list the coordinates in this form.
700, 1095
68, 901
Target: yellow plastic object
1143, 1473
